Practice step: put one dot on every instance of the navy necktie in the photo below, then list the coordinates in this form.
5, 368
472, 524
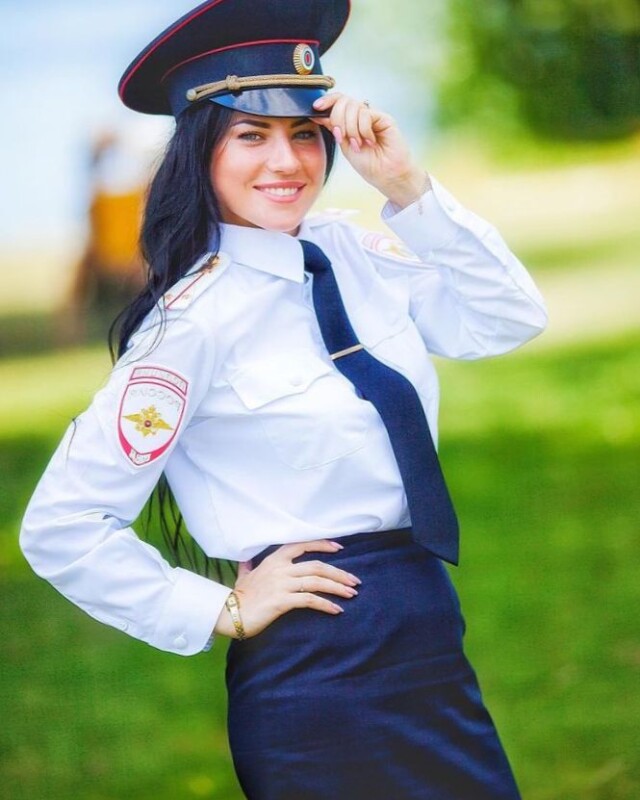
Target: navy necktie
433, 519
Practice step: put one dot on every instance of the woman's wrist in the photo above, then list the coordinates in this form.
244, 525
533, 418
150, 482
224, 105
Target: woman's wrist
408, 189
229, 622
224, 624
232, 604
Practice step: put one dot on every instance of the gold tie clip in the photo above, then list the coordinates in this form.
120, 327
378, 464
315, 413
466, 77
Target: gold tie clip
346, 352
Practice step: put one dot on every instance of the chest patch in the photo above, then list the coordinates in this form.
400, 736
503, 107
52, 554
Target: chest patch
391, 248
151, 411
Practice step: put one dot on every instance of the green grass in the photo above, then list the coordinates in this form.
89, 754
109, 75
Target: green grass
520, 149
543, 453
542, 450
599, 252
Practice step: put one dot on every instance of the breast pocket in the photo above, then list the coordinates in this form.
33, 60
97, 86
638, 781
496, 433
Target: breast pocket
307, 410
385, 328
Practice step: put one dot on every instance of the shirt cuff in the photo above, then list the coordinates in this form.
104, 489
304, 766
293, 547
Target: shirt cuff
430, 223
188, 618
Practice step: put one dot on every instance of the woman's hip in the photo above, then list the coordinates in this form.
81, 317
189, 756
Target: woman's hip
406, 613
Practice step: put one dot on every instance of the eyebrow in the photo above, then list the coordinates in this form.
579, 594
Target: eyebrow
296, 124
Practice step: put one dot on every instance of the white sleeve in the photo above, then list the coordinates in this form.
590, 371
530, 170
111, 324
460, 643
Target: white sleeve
76, 532
469, 295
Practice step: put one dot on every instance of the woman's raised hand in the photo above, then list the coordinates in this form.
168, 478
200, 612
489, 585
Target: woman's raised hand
277, 585
374, 146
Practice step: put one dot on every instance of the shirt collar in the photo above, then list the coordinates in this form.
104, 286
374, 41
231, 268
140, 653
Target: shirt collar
276, 253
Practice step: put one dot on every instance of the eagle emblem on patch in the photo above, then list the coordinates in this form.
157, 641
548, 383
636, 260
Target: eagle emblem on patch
386, 246
151, 410
148, 421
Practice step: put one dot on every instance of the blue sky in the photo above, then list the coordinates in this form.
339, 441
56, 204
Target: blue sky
60, 62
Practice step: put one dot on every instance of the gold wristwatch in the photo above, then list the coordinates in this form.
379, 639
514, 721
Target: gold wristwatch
233, 607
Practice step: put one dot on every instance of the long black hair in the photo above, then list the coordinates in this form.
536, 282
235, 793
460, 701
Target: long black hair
181, 219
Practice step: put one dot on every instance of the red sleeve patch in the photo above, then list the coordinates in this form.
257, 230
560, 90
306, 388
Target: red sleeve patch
391, 248
150, 413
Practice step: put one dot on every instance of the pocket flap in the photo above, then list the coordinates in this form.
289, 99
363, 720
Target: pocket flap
265, 381
384, 313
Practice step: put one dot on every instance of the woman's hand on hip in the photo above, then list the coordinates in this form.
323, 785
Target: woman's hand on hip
277, 585
372, 143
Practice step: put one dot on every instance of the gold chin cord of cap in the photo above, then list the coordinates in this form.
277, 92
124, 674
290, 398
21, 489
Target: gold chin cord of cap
232, 83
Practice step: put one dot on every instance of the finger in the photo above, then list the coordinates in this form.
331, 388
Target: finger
327, 101
338, 120
381, 122
310, 600
314, 583
326, 104
352, 130
326, 122
290, 551
365, 125
304, 568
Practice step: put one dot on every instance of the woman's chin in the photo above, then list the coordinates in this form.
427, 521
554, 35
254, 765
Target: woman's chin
278, 220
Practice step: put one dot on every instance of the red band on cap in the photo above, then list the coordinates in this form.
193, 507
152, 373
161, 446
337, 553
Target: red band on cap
236, 46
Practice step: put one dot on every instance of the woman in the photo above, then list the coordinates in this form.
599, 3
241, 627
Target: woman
276, 370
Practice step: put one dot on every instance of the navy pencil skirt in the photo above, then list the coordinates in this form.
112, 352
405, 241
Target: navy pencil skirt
377, 703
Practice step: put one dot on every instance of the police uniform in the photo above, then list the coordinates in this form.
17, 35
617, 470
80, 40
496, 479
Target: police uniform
228, 388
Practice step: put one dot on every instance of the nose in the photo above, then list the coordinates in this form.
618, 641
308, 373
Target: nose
282, 156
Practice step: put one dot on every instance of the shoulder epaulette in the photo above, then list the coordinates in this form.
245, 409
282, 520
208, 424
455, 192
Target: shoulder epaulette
330, 215
386, 246
200, 277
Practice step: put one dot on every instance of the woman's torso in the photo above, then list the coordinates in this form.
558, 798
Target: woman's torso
280, 447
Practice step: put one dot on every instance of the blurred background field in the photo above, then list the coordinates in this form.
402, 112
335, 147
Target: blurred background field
542, 447
542, 450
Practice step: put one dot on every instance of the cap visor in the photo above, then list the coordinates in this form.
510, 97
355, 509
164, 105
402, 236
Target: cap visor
274, 102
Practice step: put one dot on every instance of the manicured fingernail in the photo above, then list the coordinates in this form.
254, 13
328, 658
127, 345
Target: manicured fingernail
356, 579
353, 592
338, 135
318, 102
369, 142
354, 145
338, 608
338, 545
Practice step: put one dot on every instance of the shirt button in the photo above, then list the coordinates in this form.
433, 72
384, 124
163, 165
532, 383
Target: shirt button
180, 642
296, 380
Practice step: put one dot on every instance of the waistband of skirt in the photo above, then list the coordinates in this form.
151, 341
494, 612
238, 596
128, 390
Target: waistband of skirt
353, 544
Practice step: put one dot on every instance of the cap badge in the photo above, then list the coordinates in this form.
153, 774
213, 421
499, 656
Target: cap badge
303, 59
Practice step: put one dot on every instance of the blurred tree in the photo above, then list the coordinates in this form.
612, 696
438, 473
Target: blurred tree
562, 68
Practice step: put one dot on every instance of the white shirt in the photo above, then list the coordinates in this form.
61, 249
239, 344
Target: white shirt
236, 398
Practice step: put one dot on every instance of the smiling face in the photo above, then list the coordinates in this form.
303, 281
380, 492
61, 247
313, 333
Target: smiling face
268, 171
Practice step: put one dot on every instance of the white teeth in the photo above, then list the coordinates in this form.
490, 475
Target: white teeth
281, 191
